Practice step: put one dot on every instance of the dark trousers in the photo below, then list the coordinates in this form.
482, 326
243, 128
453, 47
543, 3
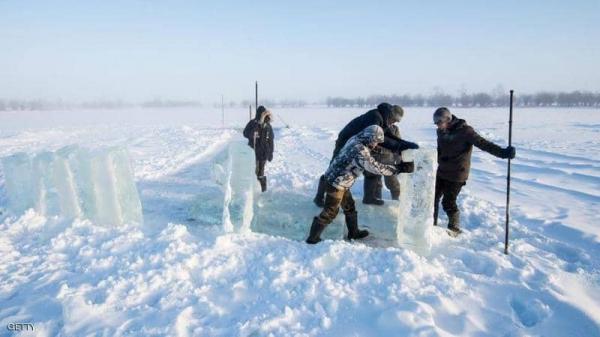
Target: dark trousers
447, 191
335, 198
260, 168
373, 186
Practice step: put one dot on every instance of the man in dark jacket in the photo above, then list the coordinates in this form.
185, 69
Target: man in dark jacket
384, 116
353, 159
455, 140
260, 137
372, 183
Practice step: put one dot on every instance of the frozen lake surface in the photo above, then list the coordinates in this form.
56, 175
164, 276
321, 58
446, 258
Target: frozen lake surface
182, 274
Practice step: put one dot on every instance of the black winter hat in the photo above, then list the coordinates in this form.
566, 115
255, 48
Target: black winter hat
387, 112
259, 111
384, 108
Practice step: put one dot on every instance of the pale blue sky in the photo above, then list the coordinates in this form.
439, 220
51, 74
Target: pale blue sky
138, 50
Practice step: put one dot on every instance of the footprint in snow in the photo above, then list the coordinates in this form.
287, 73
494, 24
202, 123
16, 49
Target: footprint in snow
530, 312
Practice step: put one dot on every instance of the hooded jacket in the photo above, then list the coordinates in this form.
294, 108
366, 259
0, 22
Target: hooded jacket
455, 145
382, 117
355, 157
260, 135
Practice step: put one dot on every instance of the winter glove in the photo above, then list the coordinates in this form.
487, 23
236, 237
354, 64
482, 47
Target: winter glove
404, 145
405, 167
509, 152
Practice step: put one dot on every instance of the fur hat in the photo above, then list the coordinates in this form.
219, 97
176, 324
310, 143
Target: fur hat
266, 114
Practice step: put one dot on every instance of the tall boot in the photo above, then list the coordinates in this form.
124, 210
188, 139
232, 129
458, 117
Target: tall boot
454, 224
319, 199
315, 231
352, 224
263, 183
372, 190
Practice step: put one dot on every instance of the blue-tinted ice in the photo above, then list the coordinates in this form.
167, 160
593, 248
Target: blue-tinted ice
74, 183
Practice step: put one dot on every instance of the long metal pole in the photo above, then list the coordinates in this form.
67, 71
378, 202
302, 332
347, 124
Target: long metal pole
256, 95
249, 111
510, 120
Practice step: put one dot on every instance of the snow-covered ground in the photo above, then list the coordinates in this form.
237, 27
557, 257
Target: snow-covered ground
186, 277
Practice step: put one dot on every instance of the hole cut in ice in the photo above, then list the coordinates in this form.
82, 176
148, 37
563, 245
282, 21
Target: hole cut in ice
406, 222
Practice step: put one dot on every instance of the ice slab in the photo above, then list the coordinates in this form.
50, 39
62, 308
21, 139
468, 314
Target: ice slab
74, 182
416, 202
290, 215
18, 177
239, 188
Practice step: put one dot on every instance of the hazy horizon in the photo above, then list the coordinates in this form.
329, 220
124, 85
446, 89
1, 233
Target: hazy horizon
143, 50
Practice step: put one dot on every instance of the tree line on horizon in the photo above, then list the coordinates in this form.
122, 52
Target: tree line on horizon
465, 100
475, 100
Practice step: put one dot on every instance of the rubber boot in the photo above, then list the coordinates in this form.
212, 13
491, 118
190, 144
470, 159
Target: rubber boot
319, 199
353, 232
454, 224
315, 231
263, 183
372, 191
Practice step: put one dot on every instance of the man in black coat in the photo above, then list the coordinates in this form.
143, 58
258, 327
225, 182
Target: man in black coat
384, 116
372, 187
260, 137
455, 140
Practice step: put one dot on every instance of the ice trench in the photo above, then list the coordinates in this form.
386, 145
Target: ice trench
287, 213
222, 189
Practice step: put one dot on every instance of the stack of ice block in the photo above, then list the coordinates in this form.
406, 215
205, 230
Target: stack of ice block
74, 183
